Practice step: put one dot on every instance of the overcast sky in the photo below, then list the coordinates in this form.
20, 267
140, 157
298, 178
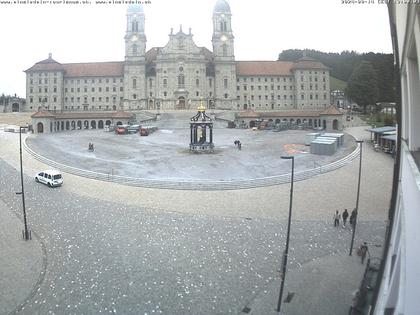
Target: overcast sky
262, 29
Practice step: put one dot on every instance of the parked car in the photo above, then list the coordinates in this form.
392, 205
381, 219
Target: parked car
121, 130
51, 178
133, 129
146, 130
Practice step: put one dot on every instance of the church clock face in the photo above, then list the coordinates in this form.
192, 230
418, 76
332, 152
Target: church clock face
223, 38
134, 38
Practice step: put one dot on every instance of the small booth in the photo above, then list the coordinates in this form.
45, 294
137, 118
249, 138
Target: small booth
309, 137
384, 138
201, 131
389, 142
338, 136
377, 133
323, 146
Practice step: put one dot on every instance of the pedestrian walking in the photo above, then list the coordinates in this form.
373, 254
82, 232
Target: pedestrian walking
336, 218
345, 216
239, 145
362, 251
353, 216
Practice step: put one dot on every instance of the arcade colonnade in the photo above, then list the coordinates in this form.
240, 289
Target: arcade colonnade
48, 122
331, 118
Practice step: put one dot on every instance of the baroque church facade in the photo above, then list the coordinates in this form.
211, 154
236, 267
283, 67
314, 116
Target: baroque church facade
178, 76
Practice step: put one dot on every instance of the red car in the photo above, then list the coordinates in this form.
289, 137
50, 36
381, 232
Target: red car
121, 130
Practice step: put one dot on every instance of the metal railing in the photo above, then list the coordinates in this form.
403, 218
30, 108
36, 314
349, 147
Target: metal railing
196, 184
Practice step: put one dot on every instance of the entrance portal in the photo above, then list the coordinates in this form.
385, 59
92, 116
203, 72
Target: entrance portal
40, 128
180, 104
15, 107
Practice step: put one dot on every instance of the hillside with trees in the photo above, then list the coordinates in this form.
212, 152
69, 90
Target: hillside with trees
343, 64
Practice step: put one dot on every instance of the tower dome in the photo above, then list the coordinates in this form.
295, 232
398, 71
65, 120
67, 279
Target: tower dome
221, 6
135, 8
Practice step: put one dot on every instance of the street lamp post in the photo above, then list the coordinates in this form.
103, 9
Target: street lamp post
360, 142
22, 192
286, 251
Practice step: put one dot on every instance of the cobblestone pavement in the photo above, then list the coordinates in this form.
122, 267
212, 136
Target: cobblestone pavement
105, 257
21, 262
118, 249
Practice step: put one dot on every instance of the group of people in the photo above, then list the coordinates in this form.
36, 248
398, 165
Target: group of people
345, 216
237, 144
363, 249
91, 148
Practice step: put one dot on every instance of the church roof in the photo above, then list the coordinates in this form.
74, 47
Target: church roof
263, 68
135, 8
121, 114
94, 69
152, 53
221, 6
249, 113
209, 54
116, 68
331, 110
48, 64
43, 114
86, 69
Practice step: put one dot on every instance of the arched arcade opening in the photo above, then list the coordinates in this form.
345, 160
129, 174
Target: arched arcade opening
40, 127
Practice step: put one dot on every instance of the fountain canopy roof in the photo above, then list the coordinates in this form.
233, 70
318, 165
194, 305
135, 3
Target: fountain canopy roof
201, 115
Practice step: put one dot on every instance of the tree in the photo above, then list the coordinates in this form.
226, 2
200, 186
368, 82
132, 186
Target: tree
362, 87
342, 65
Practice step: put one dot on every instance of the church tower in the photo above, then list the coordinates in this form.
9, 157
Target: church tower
224, 57
135, 61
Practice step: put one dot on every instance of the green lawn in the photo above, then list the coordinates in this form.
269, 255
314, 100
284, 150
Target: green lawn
337, 84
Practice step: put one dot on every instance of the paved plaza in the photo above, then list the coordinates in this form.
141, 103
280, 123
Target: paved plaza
103, 247
165, 155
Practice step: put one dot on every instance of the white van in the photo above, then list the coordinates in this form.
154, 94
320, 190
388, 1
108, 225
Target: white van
52, 178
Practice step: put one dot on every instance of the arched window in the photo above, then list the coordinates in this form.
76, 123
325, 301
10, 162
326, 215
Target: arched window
181, 80
134, 49
165, 82
134, 83
134, 26
224, 48
223, 26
